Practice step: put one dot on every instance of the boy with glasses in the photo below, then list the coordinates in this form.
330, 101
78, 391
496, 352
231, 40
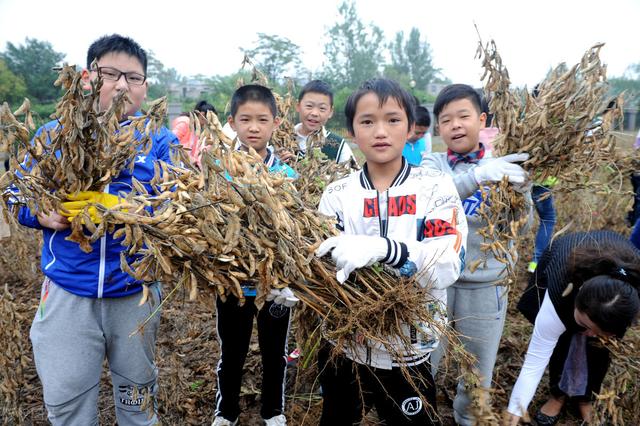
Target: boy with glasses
89, 306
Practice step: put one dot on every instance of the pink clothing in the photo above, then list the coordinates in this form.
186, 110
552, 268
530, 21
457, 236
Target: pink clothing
487, 135
181, 127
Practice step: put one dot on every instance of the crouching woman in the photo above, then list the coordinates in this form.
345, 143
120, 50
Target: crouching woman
585, 287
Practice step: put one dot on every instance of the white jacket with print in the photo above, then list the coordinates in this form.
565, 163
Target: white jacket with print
421, 214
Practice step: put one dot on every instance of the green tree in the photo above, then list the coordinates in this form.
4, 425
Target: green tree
338, 121
277, 57
411, 58
629, 83
633, 72
222, 87
399, 61
34, 62
354, 52
160, 78
12, 87
630, 87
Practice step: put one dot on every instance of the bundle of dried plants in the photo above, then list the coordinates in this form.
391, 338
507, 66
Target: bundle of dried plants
13, 359
617, 403
84, 151
557, 128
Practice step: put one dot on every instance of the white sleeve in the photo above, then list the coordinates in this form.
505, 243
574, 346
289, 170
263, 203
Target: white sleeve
465, 182
546, 332
428, 143
330, 206
345, 152
439, 256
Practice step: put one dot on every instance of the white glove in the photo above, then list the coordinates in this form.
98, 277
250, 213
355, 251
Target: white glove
351, 252
282, 296
493, 171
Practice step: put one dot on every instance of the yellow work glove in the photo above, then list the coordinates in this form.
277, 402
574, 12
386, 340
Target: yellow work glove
75, 204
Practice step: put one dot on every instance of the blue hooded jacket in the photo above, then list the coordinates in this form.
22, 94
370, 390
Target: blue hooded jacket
97, 274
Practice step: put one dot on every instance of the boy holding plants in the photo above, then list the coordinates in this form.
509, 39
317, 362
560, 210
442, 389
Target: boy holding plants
253, 117
408, 218
477, 303
315, 108
89, 306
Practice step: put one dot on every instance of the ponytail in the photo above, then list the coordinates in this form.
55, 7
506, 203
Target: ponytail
619, 260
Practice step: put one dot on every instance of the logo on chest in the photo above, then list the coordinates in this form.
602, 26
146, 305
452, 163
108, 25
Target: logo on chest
397, 206
472, 204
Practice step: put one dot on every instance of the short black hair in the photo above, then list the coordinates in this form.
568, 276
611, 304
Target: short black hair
253, 93
423, 118
608, 278
384, 89
317, 86
484, 102
115, 43
204, 106
455, 92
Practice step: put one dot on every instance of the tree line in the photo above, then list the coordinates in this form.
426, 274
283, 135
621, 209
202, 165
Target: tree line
354, 51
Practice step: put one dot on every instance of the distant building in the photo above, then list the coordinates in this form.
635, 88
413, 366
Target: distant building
435, 88
190, 89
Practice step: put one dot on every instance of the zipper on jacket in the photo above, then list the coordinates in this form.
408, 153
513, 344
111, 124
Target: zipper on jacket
103, 249
383, 228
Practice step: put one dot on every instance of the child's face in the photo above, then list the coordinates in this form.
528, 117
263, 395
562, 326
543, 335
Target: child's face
459, 124
314, 110
254, 123
111, 64
380, 131
419, 132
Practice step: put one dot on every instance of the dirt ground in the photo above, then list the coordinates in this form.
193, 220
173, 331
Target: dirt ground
187, 357
187, 350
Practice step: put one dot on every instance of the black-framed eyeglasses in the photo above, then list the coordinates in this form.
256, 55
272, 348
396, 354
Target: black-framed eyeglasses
113, 74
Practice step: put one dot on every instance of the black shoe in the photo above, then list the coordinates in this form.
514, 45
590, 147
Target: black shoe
546, 420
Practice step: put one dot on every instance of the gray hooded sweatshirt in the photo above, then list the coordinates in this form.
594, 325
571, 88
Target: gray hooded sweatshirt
492, 271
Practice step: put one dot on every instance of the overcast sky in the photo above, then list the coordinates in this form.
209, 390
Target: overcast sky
204, 37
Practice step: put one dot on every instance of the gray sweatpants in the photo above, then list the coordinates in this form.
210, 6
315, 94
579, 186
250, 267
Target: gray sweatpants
71, 335
478, 315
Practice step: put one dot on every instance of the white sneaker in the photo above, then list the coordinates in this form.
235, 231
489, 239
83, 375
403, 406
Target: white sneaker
221, 421
279, 420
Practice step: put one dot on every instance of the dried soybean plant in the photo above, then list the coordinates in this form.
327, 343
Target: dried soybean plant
284, 137
556, 128
83, 151
11, 129
20, 258
234, 222
13, 361
617, 402
316, 171
223, 225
